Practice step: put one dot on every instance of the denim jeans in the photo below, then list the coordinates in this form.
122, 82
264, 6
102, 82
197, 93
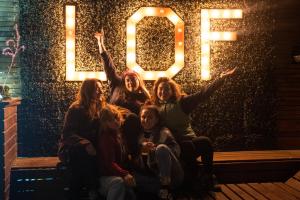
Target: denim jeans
114, 188
168, 165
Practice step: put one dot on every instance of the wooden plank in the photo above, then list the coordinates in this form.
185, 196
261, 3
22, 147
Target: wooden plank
288, 134
37, 162
219, 157
207, 197
256, 155
267, 193
278, 191
289, 108
256, 194
294, 183
288, 189
297, 176
219, 196
229, 193
289, 125
243, 194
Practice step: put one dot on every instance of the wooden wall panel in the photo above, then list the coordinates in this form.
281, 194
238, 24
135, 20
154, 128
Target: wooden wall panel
287, 73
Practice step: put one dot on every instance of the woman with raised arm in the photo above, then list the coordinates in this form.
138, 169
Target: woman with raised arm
127, 91
175, 108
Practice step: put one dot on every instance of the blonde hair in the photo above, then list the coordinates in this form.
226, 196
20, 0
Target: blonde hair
142, 86
109, 113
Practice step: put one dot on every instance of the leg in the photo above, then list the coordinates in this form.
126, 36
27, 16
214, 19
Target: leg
168, 165
204, 148
146, 183
112, 187
188, 156
83, 171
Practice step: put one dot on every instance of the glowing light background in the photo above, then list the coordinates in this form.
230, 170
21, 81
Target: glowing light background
238, 116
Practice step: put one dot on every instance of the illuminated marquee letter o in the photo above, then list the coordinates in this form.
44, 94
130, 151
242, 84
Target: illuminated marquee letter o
131, 42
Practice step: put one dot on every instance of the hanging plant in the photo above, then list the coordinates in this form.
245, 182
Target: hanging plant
12, 50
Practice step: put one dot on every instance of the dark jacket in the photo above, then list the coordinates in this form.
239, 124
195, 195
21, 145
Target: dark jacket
176, 114
118, 95
79, 126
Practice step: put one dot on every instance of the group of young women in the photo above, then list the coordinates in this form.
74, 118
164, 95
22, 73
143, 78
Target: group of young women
134, 141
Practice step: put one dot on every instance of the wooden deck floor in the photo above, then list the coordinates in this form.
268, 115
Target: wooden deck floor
289, 190
252, 191
273, 172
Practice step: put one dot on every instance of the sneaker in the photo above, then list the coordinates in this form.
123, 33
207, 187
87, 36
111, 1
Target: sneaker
209, 182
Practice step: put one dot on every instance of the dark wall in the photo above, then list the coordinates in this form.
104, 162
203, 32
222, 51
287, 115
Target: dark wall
287, 72
240, 115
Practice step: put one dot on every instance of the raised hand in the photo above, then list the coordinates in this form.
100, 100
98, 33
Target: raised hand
100, 38
228, 73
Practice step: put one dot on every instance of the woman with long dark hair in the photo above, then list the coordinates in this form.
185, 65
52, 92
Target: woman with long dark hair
78, 139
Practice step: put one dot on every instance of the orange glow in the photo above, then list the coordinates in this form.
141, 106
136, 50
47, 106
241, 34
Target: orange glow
131, 41
207, 35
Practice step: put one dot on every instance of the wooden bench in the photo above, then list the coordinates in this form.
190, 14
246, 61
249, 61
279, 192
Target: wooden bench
36, 177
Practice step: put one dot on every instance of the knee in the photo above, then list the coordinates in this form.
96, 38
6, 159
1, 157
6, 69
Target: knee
162, 149
203, 142
117, 182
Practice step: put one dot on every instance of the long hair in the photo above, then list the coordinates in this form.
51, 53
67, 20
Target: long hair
108, 114
85, 98
154, 109
176, 90
142, 88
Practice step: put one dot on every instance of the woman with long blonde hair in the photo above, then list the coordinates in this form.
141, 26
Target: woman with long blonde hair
116, 181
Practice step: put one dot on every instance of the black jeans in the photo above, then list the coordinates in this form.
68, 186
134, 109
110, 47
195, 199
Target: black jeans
84, 173
195, 147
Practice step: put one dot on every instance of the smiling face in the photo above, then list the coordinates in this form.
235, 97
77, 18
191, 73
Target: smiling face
164, 91
131, 83
148, 119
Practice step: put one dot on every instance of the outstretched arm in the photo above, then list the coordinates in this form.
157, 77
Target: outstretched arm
100, 38
109, 67
190, 102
